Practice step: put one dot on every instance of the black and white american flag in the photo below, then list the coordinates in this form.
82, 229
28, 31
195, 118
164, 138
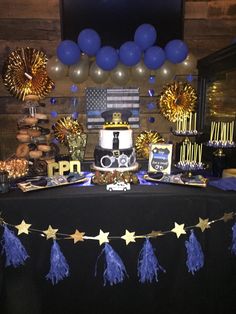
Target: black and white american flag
99, 100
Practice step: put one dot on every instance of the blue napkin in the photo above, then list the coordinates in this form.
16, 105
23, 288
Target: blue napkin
226, 184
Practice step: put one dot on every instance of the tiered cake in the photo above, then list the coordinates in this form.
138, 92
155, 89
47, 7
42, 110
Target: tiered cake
115, 150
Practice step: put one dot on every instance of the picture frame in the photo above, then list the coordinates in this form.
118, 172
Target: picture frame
160, 158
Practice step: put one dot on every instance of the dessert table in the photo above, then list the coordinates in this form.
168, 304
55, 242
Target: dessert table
25, 290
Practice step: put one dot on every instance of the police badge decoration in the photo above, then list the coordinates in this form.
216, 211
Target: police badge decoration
160, 158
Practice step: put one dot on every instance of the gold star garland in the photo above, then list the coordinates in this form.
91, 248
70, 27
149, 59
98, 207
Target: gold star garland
23, 228
103, 237
128, 237
77, 236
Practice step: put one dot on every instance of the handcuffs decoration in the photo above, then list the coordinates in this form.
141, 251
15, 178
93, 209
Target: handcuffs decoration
122, 159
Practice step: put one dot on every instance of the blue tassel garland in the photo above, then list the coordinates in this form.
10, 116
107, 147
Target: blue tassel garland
59, 268
148, 265
195, 256
14, 250
233, 246
115, 269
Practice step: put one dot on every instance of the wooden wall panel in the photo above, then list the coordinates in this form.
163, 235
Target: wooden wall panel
45, 9
199, 46
196, 10
34, 29
209, 28
223, 9
220, 9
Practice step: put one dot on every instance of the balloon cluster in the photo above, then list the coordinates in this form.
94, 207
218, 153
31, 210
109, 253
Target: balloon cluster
137, 57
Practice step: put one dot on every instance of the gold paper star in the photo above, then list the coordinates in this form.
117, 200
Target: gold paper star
128, 237
23, 227
155, 234
77, 236
178, 230
102, 237
50, 232
203, 224
228, 216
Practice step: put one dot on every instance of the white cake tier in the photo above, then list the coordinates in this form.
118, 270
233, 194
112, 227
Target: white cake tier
124, 136
134, 167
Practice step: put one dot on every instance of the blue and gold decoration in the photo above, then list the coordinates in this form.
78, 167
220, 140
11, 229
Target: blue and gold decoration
148, 266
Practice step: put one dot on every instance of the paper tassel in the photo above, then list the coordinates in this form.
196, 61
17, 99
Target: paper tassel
59, 268
14, 250
195, 257
148, 265
233, 246
115, 269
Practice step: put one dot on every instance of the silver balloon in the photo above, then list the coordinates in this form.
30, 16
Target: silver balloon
78, 73
56, 70
140, 71
120, 75
166, 72
188, 66
85, 58
97, 74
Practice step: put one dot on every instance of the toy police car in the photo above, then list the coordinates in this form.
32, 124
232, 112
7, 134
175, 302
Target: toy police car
119, 186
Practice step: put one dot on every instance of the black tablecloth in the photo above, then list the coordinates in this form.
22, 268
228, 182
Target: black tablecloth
25, 290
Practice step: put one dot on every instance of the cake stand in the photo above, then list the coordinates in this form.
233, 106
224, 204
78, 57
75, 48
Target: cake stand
219, 155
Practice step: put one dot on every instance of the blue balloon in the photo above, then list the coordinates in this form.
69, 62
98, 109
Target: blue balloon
152, 79
145, 36
74, 88
53, 100
151, 119
130, 53
151, 92
89, 41
54, 114
154, 57
151, 106
68, 52
176, 51
107, 58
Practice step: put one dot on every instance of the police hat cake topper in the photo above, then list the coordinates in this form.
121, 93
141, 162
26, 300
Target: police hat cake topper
116, 119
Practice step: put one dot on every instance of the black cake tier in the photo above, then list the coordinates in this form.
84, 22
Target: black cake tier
108, 158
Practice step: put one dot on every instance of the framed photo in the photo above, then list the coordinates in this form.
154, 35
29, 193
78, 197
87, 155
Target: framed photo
160, 158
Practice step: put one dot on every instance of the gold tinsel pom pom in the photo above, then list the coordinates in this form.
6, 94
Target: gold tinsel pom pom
24, 73
16, 168
143, 141
177, 99
66, 126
